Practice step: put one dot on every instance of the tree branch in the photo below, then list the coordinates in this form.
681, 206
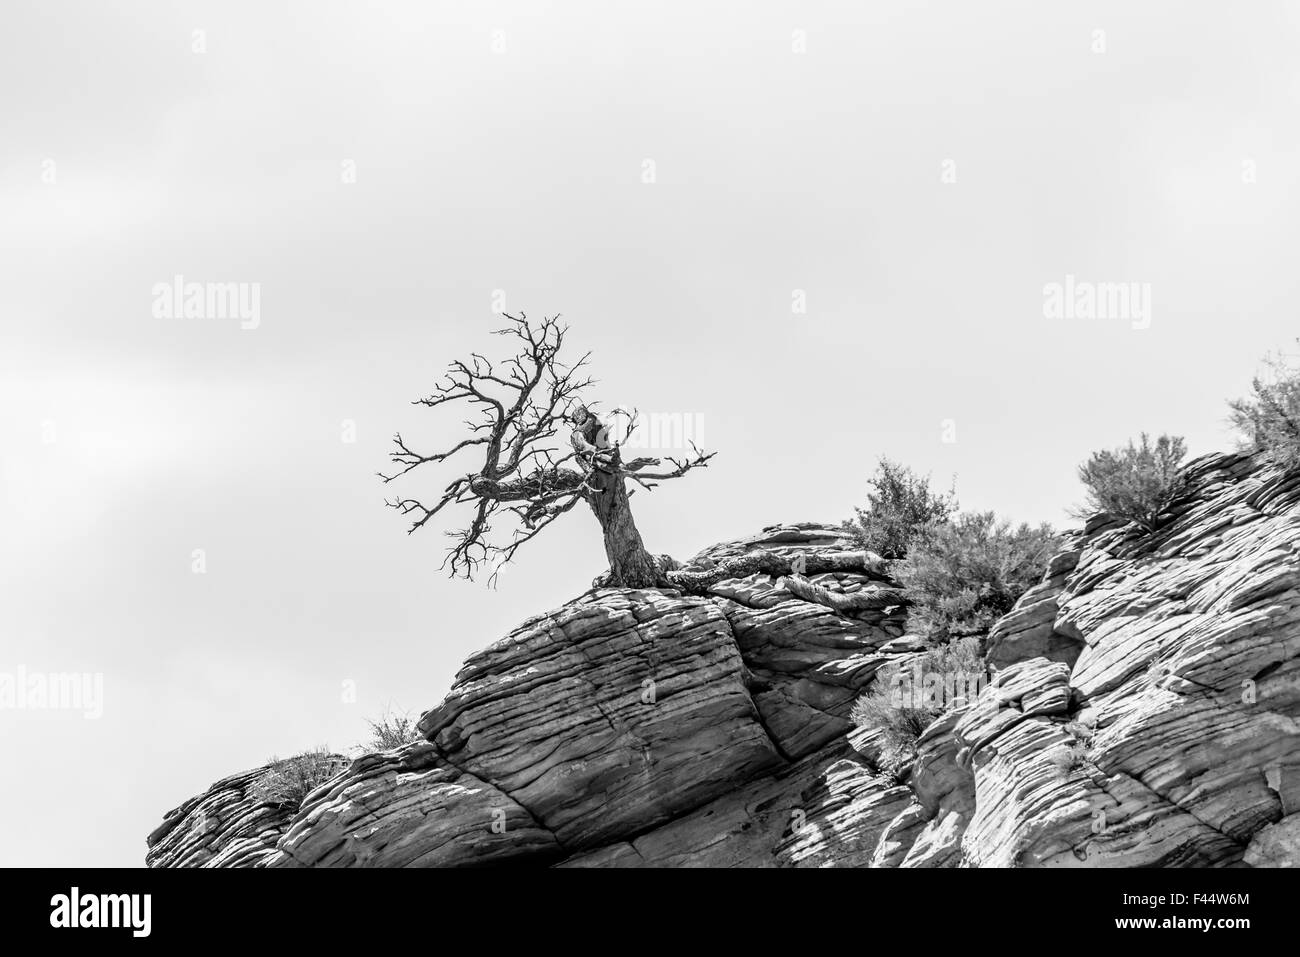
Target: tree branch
519, 407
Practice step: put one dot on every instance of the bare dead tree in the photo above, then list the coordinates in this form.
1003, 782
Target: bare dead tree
523, 474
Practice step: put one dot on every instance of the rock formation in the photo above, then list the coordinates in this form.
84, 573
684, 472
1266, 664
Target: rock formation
1142, 711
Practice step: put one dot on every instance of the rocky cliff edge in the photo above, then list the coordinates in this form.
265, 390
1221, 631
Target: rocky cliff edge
1142, 711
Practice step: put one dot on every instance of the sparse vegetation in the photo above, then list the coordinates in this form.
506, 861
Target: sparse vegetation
392, 730
900, 728
905, 699
1268, 421
288, 782
900, 505
1069, 757
964, 574
1136, 483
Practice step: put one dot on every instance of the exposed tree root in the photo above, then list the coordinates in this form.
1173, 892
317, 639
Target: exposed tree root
874, 599
790, 574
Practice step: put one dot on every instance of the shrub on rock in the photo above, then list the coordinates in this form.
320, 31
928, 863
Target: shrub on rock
906, 697
1136, 483
900, 505
965, 574
392, 730
288, 782
1268, 421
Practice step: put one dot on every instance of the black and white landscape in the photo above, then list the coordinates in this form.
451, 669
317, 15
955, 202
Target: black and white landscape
667, 435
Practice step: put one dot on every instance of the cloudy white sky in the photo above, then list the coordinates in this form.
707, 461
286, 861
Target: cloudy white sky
919, 171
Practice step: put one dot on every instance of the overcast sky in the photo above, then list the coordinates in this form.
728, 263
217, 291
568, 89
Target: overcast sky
820, 230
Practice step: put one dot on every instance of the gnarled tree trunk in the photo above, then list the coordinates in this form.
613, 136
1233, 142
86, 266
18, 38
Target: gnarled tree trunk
630, 565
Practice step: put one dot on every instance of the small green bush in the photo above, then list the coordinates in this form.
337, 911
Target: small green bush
899, 506
392, 730
900, 705
288, 782
1136, 483
965, 574
1269, 420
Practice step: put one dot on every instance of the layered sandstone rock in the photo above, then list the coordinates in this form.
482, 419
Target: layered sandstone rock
1142, 711
683, 728
230, 825
1151, 690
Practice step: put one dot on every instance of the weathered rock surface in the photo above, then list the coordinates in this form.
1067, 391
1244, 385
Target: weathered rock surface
1142, 712
226, 826
1178, 744
666, 727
